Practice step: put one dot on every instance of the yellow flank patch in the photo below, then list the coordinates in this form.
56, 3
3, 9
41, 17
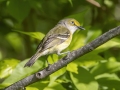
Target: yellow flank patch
65, 44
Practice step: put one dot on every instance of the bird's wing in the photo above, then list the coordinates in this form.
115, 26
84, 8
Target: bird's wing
54, 37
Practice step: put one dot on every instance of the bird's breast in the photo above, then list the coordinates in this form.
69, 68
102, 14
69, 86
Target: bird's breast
64, 45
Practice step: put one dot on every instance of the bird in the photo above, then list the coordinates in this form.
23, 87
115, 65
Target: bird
56, 40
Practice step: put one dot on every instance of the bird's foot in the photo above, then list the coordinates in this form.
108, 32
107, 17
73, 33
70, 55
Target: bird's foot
68, 55
48, 67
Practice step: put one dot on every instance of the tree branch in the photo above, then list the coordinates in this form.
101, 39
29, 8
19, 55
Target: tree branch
65, 60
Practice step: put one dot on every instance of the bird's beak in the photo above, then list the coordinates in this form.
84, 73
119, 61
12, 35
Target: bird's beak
80, 27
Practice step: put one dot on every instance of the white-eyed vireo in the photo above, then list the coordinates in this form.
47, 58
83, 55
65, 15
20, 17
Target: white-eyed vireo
56, 40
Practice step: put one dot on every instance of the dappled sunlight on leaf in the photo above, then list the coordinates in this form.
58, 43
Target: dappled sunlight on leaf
72, 67
55, 86
77, 41
107, 45
56, 74
109, 81
110, 67
107, 76
89, 60
92, 34
53, 58
70, 2
31, 88
37, 35
21, 72
7, 66
84, 80
40, 85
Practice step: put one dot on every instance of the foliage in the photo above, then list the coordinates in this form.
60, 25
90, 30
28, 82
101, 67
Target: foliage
22, 22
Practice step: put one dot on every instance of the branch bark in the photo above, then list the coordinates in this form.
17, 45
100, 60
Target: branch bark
65, 60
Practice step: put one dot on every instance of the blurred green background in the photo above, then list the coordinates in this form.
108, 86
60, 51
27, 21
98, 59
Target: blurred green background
23, 23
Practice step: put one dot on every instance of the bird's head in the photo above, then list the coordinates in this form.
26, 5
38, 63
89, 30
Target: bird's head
71, 24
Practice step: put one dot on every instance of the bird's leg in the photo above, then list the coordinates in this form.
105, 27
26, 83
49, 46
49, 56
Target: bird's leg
48, 68
68, 52
48, 63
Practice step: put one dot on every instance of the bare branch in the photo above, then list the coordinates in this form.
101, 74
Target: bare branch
65, 60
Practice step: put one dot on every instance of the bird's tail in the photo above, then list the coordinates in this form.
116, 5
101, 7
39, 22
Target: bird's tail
32, 59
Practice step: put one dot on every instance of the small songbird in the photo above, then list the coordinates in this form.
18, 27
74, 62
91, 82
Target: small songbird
56, 40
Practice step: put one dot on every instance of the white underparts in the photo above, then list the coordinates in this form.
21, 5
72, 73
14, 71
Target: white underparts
72, 28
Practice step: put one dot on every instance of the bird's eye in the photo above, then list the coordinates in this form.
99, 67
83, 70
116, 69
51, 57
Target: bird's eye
72, 22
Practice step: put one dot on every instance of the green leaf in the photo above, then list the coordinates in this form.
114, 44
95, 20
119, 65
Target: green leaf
2, 86
53, 58
2, 1
107, 75
37, 35
72, 67
107, 45
31, 88
7, 66
20, 72
40, 85
77, 41
15, 41
70, 2
92, 34
88, 16
19, 9
110, 82
57, 74
84, 80
89, 60
55, 86
106, 67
